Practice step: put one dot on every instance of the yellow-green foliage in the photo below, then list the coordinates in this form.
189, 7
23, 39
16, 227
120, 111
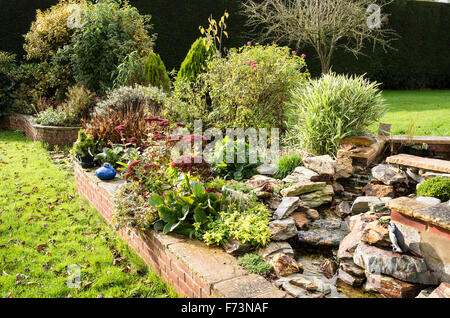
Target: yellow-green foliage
8, 69
438, 187
155, 72
248, 225
80, 103
196, 59
50, 30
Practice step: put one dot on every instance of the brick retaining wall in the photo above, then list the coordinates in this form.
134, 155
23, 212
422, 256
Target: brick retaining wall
61, 136
192, 268
425, 231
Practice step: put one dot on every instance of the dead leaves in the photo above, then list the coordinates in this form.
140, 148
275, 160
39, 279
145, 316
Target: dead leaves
41, 247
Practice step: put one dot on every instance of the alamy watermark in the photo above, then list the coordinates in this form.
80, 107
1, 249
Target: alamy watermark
74, 20
374, 19
74, 276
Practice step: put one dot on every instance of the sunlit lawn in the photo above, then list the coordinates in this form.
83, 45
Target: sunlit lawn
46, 227
428, 109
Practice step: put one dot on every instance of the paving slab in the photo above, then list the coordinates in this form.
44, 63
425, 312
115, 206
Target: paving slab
248, 286
438, 215
210, 263
420, 162
367, 151
429, 140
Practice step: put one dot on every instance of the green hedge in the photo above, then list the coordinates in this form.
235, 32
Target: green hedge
421, 59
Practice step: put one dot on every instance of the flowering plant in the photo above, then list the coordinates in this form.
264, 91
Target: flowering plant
247, 88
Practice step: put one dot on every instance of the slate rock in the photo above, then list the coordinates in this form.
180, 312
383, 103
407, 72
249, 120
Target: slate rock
351, 268
357, 224
328, 267
403, 267
443, 291
365, 204
318, 198
323, 165
343, 209
284, 265
324, 232
235, 247
267, 169
301, 219
377, 234
343, 168
287, 206
378, 190
305, 286
300, 174
268, 252
391, 287
282, 230
302, 188
389, 175
351, 280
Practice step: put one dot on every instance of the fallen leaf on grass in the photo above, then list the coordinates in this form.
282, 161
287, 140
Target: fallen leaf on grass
87, 285
41, 247
90, 235
127, 269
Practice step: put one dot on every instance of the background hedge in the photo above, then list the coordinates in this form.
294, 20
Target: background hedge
421, 58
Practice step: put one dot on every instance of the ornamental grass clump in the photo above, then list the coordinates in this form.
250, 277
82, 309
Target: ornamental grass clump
287, 163
321, 112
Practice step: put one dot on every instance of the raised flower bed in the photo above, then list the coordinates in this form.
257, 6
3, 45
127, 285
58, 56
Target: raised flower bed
54, 136
189, 266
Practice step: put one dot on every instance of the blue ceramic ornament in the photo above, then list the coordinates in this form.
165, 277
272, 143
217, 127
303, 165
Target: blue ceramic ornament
106, 172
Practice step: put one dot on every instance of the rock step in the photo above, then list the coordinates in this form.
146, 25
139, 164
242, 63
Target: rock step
420, 162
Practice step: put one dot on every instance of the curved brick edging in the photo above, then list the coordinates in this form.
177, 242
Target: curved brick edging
192, 268
60, 136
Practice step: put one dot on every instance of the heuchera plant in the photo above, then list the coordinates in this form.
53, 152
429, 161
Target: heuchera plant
187, 209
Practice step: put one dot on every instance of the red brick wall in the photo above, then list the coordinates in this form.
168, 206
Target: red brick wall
419, 224
146, 244
60, 136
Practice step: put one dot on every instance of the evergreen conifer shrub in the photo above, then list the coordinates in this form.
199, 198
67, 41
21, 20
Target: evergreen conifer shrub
155, 72
196, 60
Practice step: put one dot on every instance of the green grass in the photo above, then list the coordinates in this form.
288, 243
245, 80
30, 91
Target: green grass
45, 227
429, 109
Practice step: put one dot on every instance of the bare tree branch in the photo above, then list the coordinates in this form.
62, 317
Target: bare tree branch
326, 25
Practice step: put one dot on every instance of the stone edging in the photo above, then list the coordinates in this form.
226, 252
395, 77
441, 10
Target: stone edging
425, 231
192, 268
61, 136
422, 212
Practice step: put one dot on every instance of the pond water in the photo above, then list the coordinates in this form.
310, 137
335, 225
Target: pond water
311, 264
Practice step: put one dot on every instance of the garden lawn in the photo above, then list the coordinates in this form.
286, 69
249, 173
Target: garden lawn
428, 109
45, 227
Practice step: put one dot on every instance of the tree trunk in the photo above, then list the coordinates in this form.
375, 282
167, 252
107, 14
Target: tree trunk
325, 65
